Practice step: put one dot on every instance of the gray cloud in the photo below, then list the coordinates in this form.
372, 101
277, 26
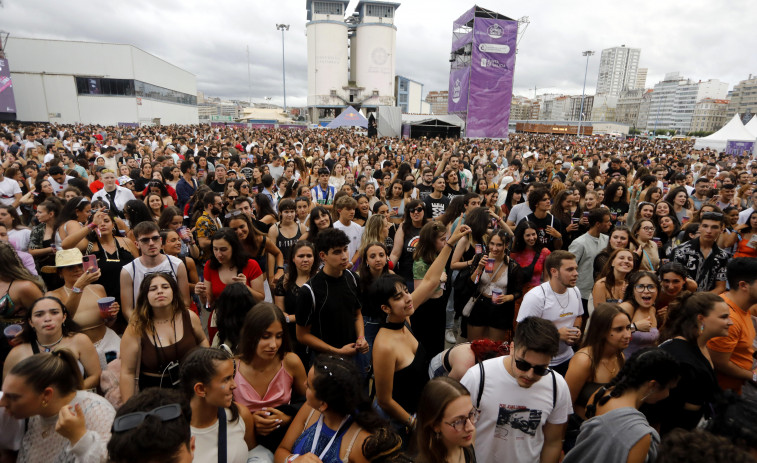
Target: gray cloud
701, 39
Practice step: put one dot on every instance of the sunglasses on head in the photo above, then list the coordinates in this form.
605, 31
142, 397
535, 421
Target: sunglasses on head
130, 421
522, 365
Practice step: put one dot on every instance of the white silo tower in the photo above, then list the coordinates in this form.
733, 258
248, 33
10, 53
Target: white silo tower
373, 55
328, 66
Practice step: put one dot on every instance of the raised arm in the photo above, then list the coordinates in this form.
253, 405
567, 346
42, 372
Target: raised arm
434, 273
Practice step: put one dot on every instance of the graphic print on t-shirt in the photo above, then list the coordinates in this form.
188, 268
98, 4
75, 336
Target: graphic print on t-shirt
518, 419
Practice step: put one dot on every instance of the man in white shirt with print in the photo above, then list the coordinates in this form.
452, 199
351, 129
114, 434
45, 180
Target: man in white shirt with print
524, 405
558, 301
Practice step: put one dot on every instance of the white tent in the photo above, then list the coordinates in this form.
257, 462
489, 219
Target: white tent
751, 126
732, 131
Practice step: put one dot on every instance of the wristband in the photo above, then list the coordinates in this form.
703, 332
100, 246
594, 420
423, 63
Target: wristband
452, 246
291, 457
76, 290
633, 328
92, 226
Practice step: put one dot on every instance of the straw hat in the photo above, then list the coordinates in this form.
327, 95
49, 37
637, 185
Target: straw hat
64, 258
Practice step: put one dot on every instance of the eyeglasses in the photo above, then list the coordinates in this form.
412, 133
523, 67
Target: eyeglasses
648, 228
233, 213
647, 288
150, 239
132, 420
417, 210
459, 424
522, 365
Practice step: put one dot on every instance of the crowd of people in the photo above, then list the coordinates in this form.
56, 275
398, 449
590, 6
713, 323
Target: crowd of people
210, 293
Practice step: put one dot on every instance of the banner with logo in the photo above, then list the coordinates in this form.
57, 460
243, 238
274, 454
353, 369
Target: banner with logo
738, 147
491, 78
7, 101
459, 80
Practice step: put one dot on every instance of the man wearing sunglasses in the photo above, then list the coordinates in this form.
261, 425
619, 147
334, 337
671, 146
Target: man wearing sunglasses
523, 417
150, 261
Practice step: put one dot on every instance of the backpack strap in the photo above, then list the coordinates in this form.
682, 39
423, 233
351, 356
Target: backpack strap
481, 384
222, 435
554, 388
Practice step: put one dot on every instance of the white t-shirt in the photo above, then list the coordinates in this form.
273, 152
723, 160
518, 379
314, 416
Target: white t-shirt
8, 190
512, 417
137, 270
519, 212
206, 441
354, 232
561, 309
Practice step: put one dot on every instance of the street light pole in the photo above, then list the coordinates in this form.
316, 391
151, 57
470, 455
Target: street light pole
587, 54
282, 28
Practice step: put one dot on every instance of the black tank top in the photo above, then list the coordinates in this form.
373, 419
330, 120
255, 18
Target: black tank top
285, 244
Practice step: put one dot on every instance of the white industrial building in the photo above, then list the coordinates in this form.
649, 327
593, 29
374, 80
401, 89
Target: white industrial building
351, 60
97, 83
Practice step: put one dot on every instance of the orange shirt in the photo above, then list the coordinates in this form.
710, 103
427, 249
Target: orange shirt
739, 343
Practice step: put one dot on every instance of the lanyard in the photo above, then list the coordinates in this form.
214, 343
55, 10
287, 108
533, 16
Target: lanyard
318, 434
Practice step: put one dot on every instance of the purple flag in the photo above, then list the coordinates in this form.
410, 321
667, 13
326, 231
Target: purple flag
459, 80
7, 101
491, 79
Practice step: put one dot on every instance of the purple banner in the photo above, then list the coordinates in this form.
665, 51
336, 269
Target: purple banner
292, 126
459, 82
406, 130
738, 147
491, 79
7, 101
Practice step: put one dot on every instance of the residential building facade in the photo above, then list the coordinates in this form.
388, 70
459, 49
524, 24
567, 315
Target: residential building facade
743, 98
709, 115
438, 100
618, 68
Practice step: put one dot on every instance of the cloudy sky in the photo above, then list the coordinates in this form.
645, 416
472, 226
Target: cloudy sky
702, 39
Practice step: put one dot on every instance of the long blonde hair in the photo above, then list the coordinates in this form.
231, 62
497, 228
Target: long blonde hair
372, 232
142, 317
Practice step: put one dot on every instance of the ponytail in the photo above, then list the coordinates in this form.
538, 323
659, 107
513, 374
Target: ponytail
58, 369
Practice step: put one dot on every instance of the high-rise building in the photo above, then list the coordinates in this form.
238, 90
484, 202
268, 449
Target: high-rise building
646, 102
709, 115
603, 108
438, 101
743, 98
674, 99
618, 67
641, 78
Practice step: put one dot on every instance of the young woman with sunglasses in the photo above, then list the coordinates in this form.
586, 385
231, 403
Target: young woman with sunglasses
406, 239
59, 421
638, 301
47, 328
446, 430
207, 381
617, 431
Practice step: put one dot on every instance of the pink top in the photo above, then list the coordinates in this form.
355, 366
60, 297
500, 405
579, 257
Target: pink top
279, 391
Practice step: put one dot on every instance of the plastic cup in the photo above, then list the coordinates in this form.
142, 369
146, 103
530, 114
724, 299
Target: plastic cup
489, 265
184, 234
479, 249
685, 219
656, 239
574, 219
586, 214
11, 331
496, 292
104, 304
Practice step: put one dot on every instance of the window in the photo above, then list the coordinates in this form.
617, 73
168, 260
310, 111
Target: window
333, 93
102, 86
327, 8
381, 11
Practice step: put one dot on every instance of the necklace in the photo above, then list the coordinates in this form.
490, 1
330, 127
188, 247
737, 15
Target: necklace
557, 298
393, 325
611, 370
162, 322
49, 347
